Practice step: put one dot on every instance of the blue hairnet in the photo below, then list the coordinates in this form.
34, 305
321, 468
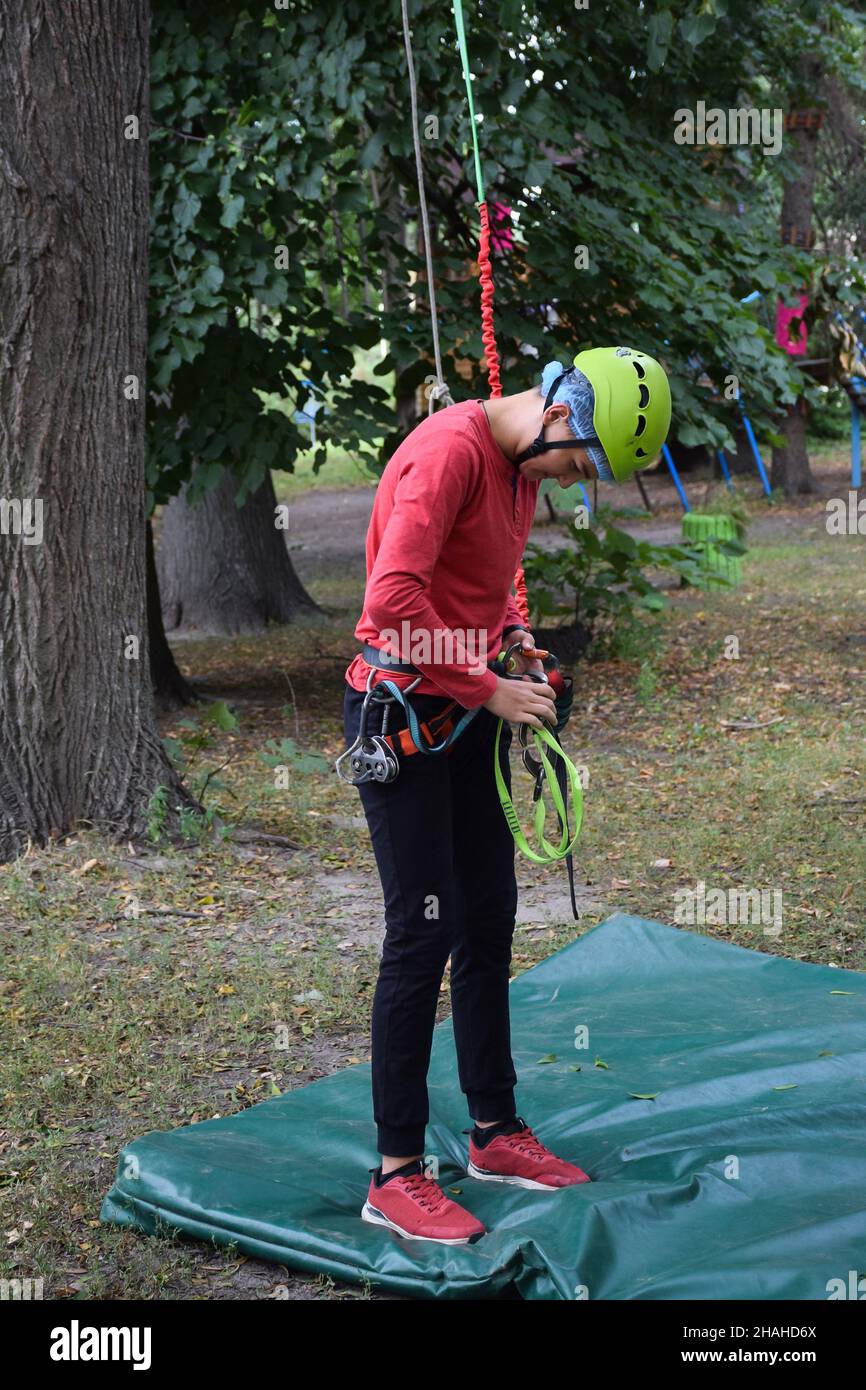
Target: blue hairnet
576, 392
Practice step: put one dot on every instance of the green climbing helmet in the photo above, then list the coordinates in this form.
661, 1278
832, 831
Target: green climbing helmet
632, 412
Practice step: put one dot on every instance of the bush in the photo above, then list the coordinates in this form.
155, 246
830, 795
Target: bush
830, 422
600, 583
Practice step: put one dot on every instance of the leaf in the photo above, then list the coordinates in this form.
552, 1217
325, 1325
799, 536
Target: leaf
372, 151
696, 28
661, 27
551, 1057
186, 208
636, 1095
219, 713
232, 211
213, 277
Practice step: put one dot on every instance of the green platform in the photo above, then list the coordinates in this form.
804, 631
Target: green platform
715, 1030
717, 565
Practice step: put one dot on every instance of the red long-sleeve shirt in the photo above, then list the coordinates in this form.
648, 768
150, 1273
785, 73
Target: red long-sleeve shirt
450, 521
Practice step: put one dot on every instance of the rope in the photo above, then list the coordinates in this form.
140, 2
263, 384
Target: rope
521, 597
488, 331
440, 390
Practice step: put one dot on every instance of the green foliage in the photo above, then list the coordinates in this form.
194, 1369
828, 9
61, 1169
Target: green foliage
830, 421
289, 128
284, 752
246, 175
200, 734
601, 580
157, 814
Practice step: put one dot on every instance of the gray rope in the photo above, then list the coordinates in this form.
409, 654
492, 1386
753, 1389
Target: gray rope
440, 390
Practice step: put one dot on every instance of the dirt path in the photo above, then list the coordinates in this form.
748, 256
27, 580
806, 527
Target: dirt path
328, 528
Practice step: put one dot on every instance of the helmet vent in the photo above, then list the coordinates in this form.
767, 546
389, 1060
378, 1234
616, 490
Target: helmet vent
641, 453
644, 395
641, 424
638, 368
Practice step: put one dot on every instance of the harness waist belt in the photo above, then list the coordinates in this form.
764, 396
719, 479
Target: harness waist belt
374, 656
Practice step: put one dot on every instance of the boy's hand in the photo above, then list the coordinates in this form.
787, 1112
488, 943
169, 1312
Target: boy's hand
523, 702
527, 641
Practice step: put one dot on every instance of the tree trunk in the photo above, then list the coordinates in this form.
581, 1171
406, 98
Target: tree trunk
225, 569
170, 688
791, 471
78, 742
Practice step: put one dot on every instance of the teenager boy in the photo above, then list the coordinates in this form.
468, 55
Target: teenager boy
452, 514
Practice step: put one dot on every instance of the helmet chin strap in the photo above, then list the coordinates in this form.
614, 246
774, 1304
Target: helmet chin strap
539, 444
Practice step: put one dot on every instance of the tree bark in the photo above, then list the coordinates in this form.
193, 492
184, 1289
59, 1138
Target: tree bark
170, 688
78, 741
225, 569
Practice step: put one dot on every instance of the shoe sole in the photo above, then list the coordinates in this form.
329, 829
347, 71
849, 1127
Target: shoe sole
378, 1218
479, 1173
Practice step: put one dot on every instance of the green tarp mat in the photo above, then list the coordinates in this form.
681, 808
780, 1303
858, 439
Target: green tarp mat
744, 1178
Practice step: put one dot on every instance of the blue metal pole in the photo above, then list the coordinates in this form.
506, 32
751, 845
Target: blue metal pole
676, 477
756, 452
855, 447
726, 472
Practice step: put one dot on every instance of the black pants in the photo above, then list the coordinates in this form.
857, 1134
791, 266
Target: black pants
446, 861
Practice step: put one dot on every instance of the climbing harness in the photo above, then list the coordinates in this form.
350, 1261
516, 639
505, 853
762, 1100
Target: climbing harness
373, 757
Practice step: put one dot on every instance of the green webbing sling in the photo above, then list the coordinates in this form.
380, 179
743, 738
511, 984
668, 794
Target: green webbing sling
550, 853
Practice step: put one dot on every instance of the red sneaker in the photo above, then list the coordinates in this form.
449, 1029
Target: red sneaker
521, 1159
416, 1207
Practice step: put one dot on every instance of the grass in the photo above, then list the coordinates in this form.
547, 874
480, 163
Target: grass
148, 987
